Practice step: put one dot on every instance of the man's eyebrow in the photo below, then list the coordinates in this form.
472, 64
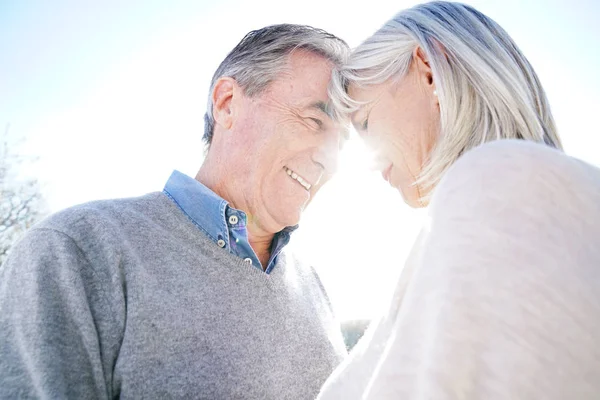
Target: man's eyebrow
323, 107
326, 109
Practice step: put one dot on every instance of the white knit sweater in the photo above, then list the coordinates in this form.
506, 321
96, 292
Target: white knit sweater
500, 298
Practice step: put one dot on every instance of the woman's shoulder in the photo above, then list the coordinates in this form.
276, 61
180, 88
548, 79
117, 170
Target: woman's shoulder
518, 173
515, 154
517, 168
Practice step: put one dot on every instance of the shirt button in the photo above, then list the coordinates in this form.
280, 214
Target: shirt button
233, 220
221, 243
248, 261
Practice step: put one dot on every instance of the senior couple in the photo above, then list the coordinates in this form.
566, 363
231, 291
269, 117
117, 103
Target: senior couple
191, 293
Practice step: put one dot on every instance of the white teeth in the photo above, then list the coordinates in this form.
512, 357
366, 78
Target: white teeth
298, 178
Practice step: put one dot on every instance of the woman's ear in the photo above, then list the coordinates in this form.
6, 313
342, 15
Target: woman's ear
222, 98
425, 75
423, 67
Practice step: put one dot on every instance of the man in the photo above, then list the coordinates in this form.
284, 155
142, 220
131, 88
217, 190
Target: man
188, 293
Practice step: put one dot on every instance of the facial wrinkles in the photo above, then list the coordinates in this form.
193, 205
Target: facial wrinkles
387, 138
283, 112
406, 146
297, 114
404, 151
296, 119
286, 117
413, 148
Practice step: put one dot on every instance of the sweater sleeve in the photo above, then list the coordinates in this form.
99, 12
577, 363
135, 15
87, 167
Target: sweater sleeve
59, 320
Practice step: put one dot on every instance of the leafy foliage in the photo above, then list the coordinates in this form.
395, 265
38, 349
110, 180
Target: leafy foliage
21, 202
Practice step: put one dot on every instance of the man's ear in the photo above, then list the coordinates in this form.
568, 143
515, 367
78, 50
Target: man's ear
222, 98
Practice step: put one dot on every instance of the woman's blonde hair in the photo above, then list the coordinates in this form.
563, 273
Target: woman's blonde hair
487, 89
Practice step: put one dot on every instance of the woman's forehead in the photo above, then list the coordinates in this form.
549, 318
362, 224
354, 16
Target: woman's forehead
368, 93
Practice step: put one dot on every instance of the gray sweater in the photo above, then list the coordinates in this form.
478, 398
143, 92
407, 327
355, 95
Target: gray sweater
127, 298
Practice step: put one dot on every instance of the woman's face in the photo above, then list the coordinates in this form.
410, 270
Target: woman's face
401, 123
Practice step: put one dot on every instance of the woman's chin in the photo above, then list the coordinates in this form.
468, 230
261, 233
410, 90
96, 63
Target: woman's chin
411, 197
412, 203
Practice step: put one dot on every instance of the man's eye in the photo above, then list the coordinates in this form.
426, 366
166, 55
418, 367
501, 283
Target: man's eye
317, 121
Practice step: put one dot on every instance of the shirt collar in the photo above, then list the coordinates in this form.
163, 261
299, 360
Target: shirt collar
203, 206
211, 214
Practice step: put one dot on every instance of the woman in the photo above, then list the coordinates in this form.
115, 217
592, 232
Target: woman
500, 297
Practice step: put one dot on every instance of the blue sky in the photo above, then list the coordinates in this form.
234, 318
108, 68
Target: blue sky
110, 96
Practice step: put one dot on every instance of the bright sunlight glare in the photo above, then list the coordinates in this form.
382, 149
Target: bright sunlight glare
110, 97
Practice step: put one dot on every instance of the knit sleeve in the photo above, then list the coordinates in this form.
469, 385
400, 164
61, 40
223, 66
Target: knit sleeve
59, 320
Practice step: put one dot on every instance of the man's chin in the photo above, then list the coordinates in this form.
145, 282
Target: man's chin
282, 209
287, 217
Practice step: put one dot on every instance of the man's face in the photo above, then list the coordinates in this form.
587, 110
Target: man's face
285, 145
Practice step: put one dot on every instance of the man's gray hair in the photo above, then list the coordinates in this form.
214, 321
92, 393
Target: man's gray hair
486, 87
261, 55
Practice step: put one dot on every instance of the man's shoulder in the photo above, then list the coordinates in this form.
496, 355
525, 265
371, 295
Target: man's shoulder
104, 215
305, 269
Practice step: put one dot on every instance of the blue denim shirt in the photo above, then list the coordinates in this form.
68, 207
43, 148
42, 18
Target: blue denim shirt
220, 222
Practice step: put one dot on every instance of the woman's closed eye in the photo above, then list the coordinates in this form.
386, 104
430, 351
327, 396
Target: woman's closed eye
361, 122
364, 126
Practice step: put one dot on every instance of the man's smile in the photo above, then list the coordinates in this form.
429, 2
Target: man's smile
304, 182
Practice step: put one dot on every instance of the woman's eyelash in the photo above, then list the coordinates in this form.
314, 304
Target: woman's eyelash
365, 124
